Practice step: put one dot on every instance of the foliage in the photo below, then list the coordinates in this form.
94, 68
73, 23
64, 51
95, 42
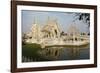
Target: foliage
30, 50
85, 17
24, 37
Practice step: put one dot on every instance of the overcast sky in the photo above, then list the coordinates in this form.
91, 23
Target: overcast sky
64, 19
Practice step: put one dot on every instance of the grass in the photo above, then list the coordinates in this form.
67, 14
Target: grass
31, 50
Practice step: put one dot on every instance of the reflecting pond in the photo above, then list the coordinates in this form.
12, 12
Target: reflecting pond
57, 53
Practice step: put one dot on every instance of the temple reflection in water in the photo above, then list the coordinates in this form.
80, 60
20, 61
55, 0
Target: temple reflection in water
61, 53
65, 53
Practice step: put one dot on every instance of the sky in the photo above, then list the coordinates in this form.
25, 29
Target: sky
64, 19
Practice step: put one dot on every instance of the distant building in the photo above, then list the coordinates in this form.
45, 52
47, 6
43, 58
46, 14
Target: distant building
73, 30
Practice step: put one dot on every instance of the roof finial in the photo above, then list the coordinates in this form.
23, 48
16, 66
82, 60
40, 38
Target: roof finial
48, 18
35, 20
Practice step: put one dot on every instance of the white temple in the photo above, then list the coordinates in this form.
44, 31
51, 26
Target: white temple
35, 33
50, 34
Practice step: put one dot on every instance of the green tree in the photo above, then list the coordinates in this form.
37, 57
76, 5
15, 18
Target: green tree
85, 17
24, 37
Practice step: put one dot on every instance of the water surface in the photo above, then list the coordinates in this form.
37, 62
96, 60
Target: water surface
56, 53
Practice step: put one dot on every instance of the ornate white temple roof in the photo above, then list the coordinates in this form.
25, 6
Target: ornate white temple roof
73, 29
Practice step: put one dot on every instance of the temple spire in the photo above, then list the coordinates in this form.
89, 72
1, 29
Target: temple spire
48, 19
35, 20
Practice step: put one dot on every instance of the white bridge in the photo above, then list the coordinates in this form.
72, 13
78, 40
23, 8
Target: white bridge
47, 42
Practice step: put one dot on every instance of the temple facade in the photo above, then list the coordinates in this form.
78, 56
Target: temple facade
51, 29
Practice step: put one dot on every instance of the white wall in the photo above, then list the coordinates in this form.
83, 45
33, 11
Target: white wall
5, 36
